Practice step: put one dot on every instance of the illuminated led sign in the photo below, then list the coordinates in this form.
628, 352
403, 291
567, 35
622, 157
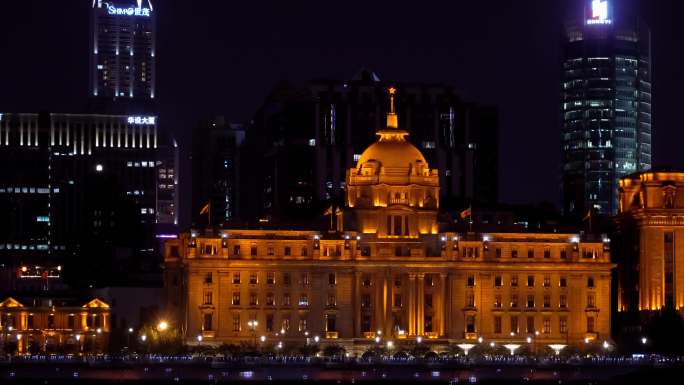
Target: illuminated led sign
130, 11
142, 120
599, 13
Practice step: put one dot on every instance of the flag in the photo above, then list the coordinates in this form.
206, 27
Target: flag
329, 211
588, 216
466, 213
205, 209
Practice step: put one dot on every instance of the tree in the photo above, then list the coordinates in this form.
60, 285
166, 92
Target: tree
334, 350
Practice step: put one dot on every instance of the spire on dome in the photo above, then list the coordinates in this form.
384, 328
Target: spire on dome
392, 121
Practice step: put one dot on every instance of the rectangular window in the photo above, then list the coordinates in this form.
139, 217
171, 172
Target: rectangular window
514, 253
471, 280
332, 279
397, 300
208, 297
288, 251
236, 278
497, 301
365, 301
51, 321
253, 301
514, 300
590, 324
287, 300
366, 282
236, 322
530, 324
330, 324
470, 300
208, 278
286, 324
547, 253
236, 298
304, 252
270, 299
563, 282
514, 324
29, 321
498, 281
498, 252
303, 300
253, 280
269, 322
563, 301
547, 325
514, 281
366, 323
530, 253
286, 279
305, 279
207, 325
547, 300
236, 250
428, 300
591, 300
270, 278
563, 325
470, 324
530, 281
563, 254
71, 321
547, 281
332, 301
302, 325
590, 282
530, 301
253, 251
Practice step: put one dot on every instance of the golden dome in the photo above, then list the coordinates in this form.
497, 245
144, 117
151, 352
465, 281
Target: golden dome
392, 150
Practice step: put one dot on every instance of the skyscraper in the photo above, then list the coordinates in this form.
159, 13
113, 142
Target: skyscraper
122, 64
216, 163
606, 106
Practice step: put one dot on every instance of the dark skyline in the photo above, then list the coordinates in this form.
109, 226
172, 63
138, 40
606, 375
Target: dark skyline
222, 58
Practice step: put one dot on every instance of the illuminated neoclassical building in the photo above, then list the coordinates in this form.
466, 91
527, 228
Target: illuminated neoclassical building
651, 223
54, 325
393, 273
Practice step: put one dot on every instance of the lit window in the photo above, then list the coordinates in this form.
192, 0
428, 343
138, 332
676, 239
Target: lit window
312, 142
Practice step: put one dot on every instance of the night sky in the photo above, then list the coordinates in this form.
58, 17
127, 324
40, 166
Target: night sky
223, 57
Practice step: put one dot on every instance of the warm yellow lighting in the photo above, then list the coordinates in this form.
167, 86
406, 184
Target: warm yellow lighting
163, 325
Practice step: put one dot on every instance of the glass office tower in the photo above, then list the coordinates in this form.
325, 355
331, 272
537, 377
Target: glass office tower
606, 107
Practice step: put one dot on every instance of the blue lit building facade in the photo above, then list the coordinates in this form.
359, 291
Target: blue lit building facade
606, 107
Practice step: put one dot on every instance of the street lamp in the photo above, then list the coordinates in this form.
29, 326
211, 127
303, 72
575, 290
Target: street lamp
316, 339
466, 347
480, 339
644, 340
419, 339
162, 326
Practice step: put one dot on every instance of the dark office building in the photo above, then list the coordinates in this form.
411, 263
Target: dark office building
216, 168
303, 138
82, 194
606, 106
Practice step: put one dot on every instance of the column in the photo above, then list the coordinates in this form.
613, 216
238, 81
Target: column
378, 309
356, 298
411, 305
443, 303
449, 321
388, 304
420, 330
